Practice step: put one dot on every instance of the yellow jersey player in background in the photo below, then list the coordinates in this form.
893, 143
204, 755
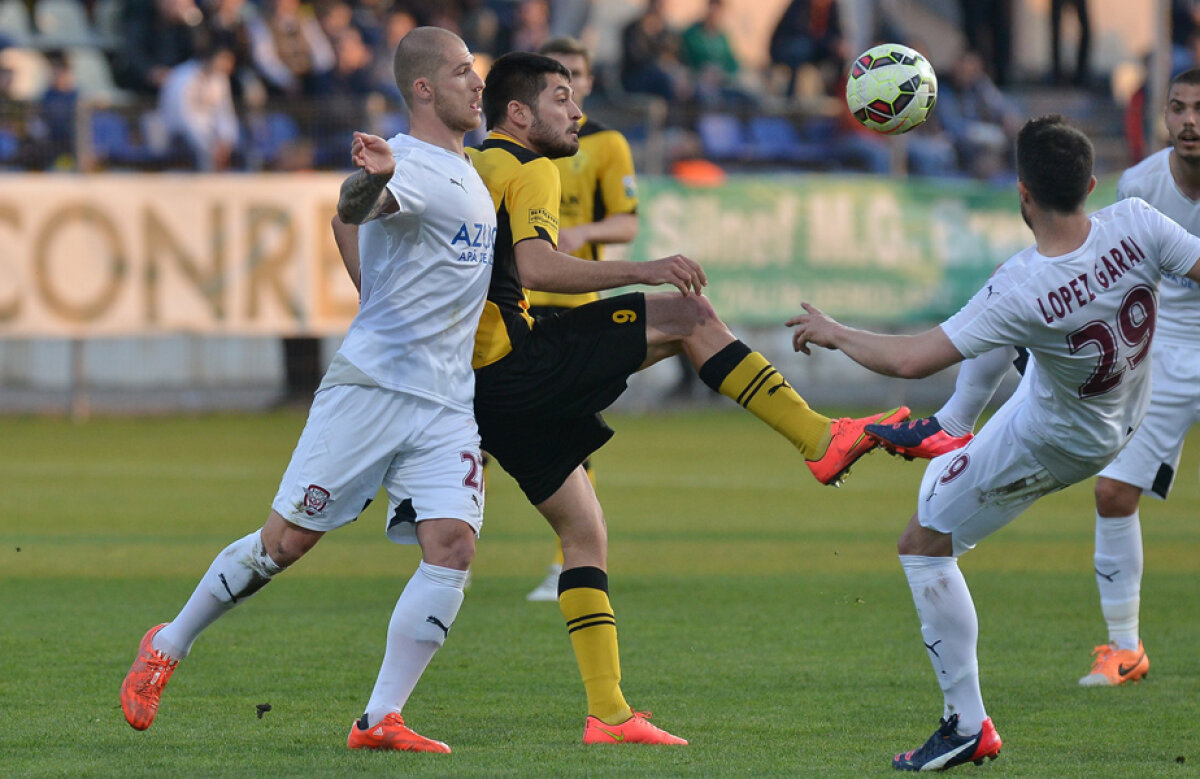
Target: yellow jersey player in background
598, 207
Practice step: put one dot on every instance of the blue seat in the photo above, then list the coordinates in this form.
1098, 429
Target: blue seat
10, 144
112, 141
271, 133
723, 137
775, 138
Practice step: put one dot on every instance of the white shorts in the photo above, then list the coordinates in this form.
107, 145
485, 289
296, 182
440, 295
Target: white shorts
1150, 459
358, 439
972, 492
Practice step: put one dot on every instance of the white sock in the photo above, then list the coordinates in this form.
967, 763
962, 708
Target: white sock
420, 623
239, 571
977, 381
1119, 576
950, 631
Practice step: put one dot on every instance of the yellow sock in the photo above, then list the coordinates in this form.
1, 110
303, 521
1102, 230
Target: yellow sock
593, 630
753, 383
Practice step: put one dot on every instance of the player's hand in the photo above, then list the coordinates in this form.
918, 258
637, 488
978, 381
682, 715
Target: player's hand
683, 273
813, 327
570, 240
372, 154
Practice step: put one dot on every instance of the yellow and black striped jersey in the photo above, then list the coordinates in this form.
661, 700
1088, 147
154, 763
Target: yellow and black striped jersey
525, 191
597, 181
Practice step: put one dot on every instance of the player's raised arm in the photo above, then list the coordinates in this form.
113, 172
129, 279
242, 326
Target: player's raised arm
364, 194
346, 238
903, 356
542, 267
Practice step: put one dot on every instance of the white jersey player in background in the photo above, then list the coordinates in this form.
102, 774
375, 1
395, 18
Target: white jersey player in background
396, 406
1083, 300
1169, 180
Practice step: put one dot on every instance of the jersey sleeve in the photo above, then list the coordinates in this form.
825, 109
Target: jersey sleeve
988, 320
532, 199
1177, 249
618, 184
405, 183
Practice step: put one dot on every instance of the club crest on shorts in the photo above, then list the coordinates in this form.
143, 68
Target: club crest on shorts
315, 499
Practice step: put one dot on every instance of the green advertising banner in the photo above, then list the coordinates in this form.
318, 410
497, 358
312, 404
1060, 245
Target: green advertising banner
867, 249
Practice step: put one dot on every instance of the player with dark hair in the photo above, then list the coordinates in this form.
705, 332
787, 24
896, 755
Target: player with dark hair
1170, 181
395, 407
1084, 301
598, 207
541, 385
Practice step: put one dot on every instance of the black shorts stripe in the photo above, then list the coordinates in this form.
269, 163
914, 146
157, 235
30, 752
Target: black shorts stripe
596, 623
1163, 480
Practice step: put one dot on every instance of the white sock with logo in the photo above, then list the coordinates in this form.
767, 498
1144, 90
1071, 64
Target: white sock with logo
420, 623
950, 631
977, 381
239, 571
1119, 576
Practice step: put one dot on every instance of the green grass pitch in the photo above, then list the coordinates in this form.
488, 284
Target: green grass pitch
762, 616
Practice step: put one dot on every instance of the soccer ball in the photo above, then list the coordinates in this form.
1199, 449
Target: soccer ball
891, 88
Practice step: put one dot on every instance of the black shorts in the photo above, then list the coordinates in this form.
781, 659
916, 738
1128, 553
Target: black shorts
538, 408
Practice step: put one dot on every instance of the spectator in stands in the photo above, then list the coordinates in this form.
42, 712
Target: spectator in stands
196, 106
650, 57
480, 28
229, 20
1185, 23
334, 17
22, 135
399, 23
58, 108
1080, 77
369, 17
810, 33
987, 25
709, 56
978, 118
344, 106
157, 35
532, 26
289, 48
569, 17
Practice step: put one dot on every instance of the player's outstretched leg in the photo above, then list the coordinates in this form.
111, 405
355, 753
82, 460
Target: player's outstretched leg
848, 442
947, 748
923, 438
830, 446
143, 686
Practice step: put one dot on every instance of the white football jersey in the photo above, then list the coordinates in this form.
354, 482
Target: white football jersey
1088, 319
1179, 297
425, 274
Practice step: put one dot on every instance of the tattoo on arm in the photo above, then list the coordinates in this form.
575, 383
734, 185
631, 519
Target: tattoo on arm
363, 196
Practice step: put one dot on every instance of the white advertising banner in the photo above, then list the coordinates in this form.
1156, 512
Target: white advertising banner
110, 255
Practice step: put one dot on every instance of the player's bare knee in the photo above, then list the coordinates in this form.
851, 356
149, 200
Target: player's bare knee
918, 540
1115, 498
450, 544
